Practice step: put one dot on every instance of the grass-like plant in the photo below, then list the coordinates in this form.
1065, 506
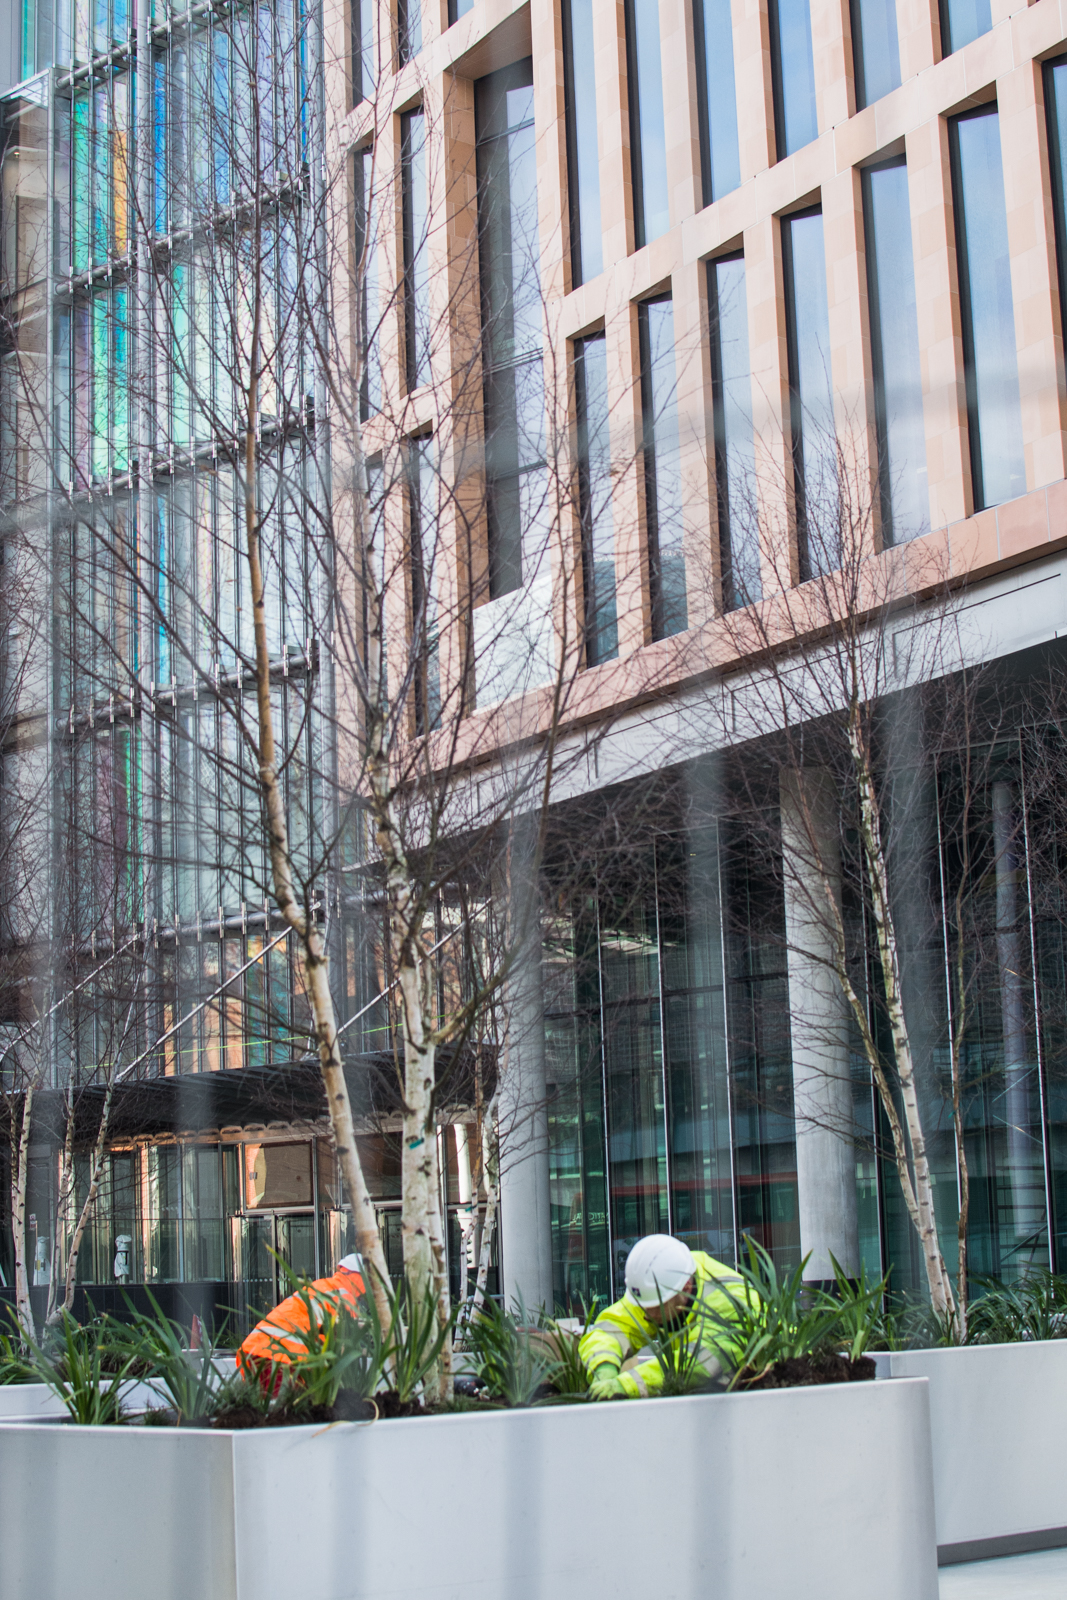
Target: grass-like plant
157, 1346
16, 1364
1033, 1308
567, 1375
416, 1338
85, 1371
512, 1361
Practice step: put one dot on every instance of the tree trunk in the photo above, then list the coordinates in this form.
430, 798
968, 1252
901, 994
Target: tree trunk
19, 1184
56, 1312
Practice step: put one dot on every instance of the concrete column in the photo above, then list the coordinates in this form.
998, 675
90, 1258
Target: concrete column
822, 1089
525, 1212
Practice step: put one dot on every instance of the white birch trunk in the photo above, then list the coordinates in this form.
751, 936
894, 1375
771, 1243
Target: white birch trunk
19, 1184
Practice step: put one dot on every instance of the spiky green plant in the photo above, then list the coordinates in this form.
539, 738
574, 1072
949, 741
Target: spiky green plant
511, 1360
85, 1371
156, 1345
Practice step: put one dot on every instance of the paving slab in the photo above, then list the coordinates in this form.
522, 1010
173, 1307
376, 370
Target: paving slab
1039, 1576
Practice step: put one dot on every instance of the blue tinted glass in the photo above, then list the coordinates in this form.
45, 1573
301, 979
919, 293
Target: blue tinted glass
663, 479
895, 351
795, 121
587, 246
814, 449
459, 8
648, 147
875, 55
363, 52
717, 101
734, 458
1056, 107
997, 459
962, 21
594, 483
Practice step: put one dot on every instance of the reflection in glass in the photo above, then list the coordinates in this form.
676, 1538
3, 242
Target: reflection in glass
422, 512
875, 54
648, 142
415, 196
793, 73
895, 353
512, 321
594, 491
810, 393
962, 21
716, 100
732, 411
583, 153
998, 465
664, 520
363, 50
373, 298
1056, 112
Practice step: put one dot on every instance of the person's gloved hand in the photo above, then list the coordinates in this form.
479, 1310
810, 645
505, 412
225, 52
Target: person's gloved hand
605, 1385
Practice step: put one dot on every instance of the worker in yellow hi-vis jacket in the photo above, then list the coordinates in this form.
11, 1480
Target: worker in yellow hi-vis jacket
670, 1289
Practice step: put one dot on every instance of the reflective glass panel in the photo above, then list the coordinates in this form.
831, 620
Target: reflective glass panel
793, 69
716, 99
875, 54
594, 486
962, 21
587, 250
811, 393
734, 455
416, 252
997, 461
648, 145
895, 353
664, 518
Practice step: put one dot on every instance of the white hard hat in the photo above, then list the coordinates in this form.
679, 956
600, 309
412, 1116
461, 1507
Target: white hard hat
353, 1263
657, 1268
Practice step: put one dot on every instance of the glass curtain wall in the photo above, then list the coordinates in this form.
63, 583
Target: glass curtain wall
875, 52
739, 556
998, 466
713, 34
583, 151
668, 1062
594, 495
810, 393
664, 515
905, 501
648, 141
416, 218
793, 76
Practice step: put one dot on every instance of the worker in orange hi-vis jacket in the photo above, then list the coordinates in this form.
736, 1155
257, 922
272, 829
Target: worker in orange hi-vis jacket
276, 1340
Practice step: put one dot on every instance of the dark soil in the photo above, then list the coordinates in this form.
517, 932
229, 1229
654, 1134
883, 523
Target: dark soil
828, 1367
347, 1408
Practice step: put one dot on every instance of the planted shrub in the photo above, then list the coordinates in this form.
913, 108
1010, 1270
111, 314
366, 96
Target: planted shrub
85, 1371
157, 1347
512, 1361
1033, 1308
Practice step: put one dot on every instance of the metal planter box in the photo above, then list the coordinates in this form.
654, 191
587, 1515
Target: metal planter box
998, 1418
817, 1493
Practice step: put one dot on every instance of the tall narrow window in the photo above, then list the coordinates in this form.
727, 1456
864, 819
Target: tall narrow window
457, 9
793, 76
810, 394
998, 467
962, 21
364, 54
734, 458
416, 255
648, 143
583, 151
875, 53
370, 292
898, 390
423, 537
663, 481
720, 163
594, 491
1056, 112
511, 308
408, 30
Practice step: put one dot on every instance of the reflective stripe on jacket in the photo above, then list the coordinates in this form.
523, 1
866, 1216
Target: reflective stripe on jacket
624, 1330
274, 1339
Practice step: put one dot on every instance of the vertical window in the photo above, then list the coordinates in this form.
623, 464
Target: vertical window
416, 262
962, 21
408, 30
997, 464
457, 9
1056, 111
663, 482
732, 417
720, 163
583, 152
875, 53
363, 50
511, 310
793, 76
648, 144
422, 507
810, 394
898, 394
370, 295
594, 498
